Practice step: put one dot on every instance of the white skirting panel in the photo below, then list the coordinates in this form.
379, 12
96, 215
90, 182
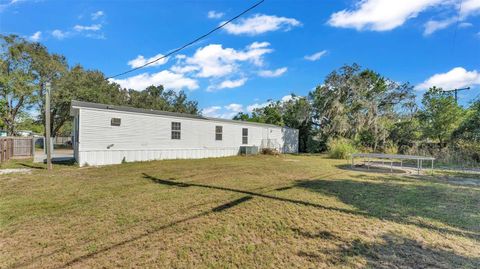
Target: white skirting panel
105, 157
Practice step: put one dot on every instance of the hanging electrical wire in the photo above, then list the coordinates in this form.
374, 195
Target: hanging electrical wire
456, 26
189, 43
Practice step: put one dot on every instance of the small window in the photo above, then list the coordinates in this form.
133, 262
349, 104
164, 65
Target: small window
176, 130
115, 121
244, 135
218, 132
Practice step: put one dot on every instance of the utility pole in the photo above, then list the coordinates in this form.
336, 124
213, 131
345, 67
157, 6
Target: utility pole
48, 141
456, 92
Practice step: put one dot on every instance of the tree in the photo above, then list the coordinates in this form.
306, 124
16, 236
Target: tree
359, 104
294, 113
440, 115
47, 69
16, 80
271, 113
297, 113
241, 116
469, 129
27, 122
156, 97
405, 132
82, 85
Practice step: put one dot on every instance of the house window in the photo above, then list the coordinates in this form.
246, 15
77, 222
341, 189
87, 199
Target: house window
244, 135
176, 129
218, 132
115, 121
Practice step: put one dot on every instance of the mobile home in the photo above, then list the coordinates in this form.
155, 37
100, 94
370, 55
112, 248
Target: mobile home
106, 134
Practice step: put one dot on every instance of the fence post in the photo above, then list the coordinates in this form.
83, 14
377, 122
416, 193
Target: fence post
33, 147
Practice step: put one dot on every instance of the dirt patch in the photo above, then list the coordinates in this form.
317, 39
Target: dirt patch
375, 169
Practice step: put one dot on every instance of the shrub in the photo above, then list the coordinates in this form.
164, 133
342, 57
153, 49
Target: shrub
390, 148
269, 151
340, 148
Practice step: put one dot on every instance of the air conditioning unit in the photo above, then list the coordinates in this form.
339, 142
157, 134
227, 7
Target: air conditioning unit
248, 150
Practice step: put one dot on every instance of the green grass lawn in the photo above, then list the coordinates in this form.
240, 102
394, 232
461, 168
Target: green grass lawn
261, 211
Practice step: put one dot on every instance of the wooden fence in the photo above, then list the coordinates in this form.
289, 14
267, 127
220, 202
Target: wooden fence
6, 149
22, 146
11, 147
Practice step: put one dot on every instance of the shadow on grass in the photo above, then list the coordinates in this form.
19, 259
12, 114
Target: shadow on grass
217, 209
255, 194
393, 252
372, 169
400, 202
321, 234
385, 201
41, 166
63, 161
32, 166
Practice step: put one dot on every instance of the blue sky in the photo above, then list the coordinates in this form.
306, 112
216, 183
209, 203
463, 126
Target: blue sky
279, 48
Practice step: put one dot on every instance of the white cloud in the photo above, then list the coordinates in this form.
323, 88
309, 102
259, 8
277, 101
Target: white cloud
227, 84
226, 112
470, 7
36, 36
456, 78
251, 107
272, 73
97, 15
465, 9
380, 15
140, 61
166, 78
432, 26
96, 36
59, 34
289, 97
232, 83
260, 23
93, 27
7, 4
234, 107
465, 25
184, 69
316, 56
211, 111
285, 98
212, 14
215, 61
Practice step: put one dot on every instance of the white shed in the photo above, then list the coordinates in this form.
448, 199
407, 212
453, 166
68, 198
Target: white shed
107, 134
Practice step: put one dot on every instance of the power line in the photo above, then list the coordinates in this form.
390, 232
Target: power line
456, 92
189, 43
456, 26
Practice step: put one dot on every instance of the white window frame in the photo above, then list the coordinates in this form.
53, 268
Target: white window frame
176, 130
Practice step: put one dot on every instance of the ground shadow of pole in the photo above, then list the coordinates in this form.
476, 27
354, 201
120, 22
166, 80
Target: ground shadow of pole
262, 195
217, 209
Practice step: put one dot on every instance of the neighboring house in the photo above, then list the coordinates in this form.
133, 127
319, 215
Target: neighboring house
24, 133
107, 134
3, 133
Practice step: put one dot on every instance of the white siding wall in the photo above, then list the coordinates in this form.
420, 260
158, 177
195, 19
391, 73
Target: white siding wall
143, 137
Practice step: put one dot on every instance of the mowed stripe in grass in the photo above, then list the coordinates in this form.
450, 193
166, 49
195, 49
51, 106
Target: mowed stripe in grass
259, 211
